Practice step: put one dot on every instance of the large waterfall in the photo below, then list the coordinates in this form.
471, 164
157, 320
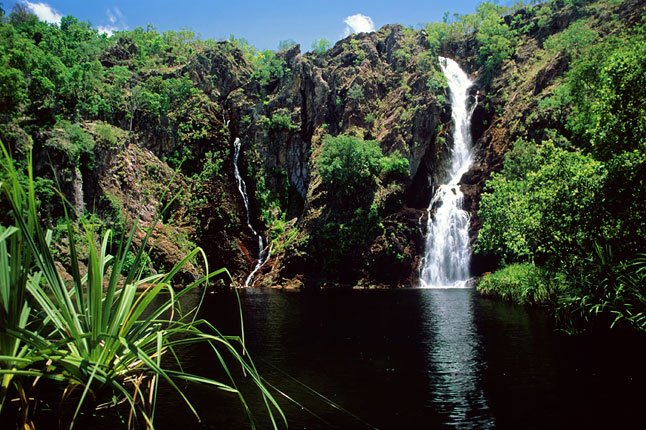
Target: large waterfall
447, 255
263, 253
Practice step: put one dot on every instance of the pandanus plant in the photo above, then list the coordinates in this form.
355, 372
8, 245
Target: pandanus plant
108, 335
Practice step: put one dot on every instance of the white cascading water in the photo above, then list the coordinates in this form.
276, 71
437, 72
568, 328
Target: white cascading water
263, 254
447, 255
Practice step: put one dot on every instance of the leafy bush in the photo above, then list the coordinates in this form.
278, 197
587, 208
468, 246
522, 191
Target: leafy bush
107, 135
72, 140
605, 291
436, 81
625, 194
601, 100
522, 283
320, 46
352, 169
437, 33
610, 112
497, 41
13, 90
355, 93
281, 122
539, 206
394, 166
267, 66
349, 165
572, 41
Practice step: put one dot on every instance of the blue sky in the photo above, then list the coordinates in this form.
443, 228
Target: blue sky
263, 23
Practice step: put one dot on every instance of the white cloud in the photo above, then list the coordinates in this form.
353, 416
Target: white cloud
116, 20
108, 30
44, 12
358, 23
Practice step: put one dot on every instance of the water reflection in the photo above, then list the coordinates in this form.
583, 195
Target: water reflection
454, 354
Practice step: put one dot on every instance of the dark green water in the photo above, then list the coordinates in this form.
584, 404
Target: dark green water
410, 359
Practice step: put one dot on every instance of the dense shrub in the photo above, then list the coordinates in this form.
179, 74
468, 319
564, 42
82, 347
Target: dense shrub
522, 283
539, 206
352, 166
349, 165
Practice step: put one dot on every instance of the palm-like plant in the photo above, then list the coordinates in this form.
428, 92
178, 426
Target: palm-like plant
109, 334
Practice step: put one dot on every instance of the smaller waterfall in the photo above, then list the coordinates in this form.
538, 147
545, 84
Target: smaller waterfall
447, 255
263, 252
79, 204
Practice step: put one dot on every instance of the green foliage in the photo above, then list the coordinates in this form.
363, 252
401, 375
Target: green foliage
437, 82
344, 241
497, 41
75, 142
539, 206
111, 208
212, 165
352, 166
437, 33
601, 101
355, 93
107, 136
243, 45
13, 90
606, 291
402, 57
580, 216
612, 114
519, 21
357, 51
267, 67
352, 169
100, 333
625, 194
281, 121
349, 165
370, 119
321, 46
283, 236
522, 283
572, 41
394, 166
141, 263
70, 72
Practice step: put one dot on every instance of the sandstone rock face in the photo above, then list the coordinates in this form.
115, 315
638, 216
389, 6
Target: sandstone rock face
370, 86
374, 86
134, 181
